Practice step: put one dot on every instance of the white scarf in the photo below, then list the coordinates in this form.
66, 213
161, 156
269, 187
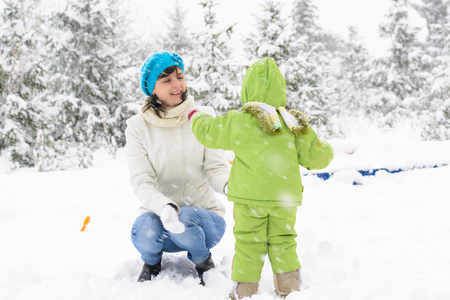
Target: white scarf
175, 115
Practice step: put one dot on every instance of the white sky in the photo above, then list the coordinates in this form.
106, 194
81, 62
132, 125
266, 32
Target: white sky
334, 16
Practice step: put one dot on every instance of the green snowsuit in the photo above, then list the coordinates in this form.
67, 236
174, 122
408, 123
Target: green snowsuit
264, 182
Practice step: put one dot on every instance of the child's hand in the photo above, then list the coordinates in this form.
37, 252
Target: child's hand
197, 109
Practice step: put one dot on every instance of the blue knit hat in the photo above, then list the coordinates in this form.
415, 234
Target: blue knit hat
154, 66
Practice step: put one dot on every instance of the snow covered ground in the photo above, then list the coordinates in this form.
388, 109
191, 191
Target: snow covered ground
379, 237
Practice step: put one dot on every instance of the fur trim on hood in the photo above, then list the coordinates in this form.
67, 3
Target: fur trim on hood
269, 119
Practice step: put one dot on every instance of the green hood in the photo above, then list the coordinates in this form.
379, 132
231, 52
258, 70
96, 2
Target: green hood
264, 82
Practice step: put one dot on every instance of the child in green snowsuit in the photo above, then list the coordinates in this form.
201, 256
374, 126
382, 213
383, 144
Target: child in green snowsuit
269, 143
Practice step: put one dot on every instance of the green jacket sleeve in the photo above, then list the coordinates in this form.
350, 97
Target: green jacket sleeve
312, 153
214, 132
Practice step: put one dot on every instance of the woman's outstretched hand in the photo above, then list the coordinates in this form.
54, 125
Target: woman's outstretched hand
169, 219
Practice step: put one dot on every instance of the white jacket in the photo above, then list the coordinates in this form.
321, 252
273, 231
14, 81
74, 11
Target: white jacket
168, 165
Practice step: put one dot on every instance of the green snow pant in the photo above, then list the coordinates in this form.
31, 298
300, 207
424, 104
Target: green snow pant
259, 231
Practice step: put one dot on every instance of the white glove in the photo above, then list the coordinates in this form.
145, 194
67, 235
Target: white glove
169, 219
200, 109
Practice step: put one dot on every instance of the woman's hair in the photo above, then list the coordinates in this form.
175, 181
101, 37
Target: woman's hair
153, 102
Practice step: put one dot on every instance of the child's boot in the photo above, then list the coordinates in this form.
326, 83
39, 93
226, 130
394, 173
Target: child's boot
244, 289
288, 282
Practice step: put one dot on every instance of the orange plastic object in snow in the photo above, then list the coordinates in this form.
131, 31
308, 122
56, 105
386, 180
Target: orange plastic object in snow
86, 221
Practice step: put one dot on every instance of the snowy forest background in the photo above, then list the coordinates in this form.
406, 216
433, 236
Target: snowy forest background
69, 76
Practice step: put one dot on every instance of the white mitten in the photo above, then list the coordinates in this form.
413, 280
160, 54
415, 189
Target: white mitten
197, 109
169, 219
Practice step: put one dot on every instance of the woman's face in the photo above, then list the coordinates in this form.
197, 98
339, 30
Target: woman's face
170, 88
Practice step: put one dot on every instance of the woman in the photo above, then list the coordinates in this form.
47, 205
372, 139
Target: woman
172, 174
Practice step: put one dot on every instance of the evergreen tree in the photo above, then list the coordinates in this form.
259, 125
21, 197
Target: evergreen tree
86, 82
435, 12
211, 73
21, 115
81, 57
272, 37
116, 13
356, 62
177, 40
307, 69
351, 83
298, 59
435, 106
398, 78
126, 51
402, 79
350, 88
438, 103
304, 17
306, 83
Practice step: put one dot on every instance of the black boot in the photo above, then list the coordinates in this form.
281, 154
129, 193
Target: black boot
202, 267
148, 271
